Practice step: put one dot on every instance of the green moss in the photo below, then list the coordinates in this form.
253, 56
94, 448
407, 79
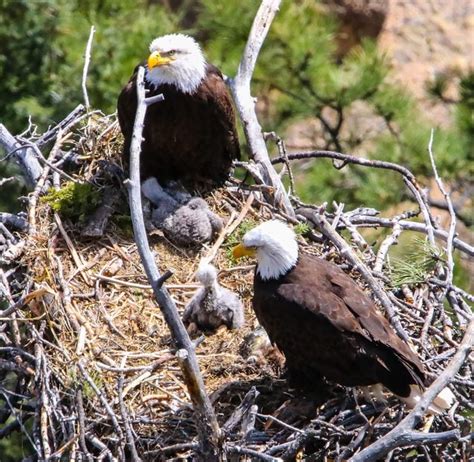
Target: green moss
74, 200
236, 237
301, 229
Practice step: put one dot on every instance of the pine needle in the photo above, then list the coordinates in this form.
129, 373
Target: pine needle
417, 265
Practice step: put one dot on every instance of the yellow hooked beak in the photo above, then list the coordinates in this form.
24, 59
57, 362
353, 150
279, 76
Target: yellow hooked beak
155, 60
240, 251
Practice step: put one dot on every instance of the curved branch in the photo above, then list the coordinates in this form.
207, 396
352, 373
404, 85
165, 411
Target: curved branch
206, 422
349, 159
245, 104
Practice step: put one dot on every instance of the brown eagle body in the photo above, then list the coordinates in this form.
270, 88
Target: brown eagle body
187, 137
328, 327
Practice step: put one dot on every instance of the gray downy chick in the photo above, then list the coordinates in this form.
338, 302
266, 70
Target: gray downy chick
177, 191
257, 349
212, 305
164, 204
192, 223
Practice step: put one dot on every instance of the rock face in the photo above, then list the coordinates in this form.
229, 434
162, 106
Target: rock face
359, 19
423, 39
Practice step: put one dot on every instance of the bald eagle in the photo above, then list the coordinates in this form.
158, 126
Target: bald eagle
191, 136
325, 325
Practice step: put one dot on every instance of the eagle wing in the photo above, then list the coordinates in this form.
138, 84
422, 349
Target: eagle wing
218, 93
336, 297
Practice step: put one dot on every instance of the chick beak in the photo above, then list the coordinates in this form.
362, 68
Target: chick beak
240, 251
155, 60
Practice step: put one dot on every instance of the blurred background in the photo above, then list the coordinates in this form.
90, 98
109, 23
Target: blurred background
368, 77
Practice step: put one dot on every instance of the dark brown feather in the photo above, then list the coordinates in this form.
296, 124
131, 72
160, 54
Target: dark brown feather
327, 326
187, 137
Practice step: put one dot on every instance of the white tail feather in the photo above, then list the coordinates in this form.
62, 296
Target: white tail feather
441, 403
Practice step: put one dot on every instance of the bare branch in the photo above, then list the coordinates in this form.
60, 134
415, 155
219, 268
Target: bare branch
371, 222
15, 221
348, 159
385, 246
6, 180
452, 213
408, 178
64, 126
240, 88
125, 418
87, 60
206, 422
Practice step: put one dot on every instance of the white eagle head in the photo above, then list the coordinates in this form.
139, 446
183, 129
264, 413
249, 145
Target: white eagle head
176, 59
275, 246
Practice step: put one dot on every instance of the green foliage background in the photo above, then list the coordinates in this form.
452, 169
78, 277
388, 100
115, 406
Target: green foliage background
298, 74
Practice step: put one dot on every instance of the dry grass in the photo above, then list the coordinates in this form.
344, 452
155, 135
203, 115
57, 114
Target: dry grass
98, 311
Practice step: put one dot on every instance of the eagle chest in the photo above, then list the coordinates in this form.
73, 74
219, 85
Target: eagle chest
178, 120
293, 330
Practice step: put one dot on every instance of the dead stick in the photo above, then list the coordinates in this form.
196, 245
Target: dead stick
87, 59
403, 434
206, 422
240, 88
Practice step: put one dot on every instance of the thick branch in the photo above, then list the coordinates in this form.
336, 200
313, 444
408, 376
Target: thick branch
403, 435
208, 429
14, 221
24, 156
240, 88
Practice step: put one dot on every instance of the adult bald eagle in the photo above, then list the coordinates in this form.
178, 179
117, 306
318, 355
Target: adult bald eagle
191, 135
324, 323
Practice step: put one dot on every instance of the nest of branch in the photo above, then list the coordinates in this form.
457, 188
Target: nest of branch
90, 350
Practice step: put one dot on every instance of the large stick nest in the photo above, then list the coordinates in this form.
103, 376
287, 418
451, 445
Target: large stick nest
89, 336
